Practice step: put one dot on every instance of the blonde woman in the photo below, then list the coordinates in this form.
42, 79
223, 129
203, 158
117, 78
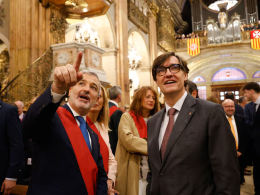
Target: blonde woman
131, 151
97, 119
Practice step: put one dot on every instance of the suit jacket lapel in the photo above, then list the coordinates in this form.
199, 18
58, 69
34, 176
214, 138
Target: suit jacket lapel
155, 146
183, 119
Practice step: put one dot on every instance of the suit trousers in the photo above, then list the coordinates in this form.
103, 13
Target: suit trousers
256, 175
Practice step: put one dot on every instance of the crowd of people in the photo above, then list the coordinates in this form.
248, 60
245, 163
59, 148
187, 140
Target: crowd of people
91, 145
249, 27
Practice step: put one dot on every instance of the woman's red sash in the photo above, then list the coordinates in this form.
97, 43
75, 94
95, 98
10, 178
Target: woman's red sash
140, 125
87, 165
103, 146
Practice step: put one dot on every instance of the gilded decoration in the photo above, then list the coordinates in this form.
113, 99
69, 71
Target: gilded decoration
165, 29
4, 68
153, 8
2, 13
31, 82
58, 28
182, 44
137, 17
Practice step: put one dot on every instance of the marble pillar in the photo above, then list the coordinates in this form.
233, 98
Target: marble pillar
122, 45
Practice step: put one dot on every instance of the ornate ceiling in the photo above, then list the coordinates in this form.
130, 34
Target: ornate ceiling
80, 9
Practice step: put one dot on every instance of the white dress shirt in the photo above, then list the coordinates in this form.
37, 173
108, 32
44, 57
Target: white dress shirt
57, 97
21, 116
257, 102
234, 125
177, 106
114, 102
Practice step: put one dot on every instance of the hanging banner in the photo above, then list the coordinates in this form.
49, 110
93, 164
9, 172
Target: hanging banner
255, 39
193, 46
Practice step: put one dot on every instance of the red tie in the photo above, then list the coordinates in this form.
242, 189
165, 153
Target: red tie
168, 131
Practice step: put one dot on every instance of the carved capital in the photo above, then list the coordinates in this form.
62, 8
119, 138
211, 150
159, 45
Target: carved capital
153, 8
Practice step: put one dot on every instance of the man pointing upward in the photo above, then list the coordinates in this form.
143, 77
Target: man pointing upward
65, 153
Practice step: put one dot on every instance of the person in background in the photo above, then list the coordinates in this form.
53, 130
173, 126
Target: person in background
238, 109
248, 27
11, 147
240, 132
252, 115
122, 108
242, 101
244, 27
20, 106
258, 27
252, 26
183, 37
97, 119
131, 152
197, 35
192, 88
115, 114
213, 99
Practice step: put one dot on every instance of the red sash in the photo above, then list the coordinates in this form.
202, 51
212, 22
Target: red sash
87, 165
140, 125
112, 109
103, 146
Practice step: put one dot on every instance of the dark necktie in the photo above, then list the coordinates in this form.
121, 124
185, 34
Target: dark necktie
168, 131
84, 130
254, 111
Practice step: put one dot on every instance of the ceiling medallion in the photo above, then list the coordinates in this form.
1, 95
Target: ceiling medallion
76, 4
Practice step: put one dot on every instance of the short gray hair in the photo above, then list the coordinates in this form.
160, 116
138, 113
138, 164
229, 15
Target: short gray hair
114, 92
94, 74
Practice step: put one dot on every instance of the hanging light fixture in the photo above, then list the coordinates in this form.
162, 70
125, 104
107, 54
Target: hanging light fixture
134, 57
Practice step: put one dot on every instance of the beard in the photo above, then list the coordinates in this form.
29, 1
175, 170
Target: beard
80, 104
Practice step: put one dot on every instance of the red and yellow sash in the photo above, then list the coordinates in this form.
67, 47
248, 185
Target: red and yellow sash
140, 125
87, 164
103, 146
112, 109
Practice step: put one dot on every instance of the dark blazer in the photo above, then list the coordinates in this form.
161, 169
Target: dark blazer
113, 126
55, 169
200, 157
11, 142
242, 132
239, 109
253, 122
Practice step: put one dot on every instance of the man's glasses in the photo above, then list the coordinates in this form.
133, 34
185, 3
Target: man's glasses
174, 68
229, 106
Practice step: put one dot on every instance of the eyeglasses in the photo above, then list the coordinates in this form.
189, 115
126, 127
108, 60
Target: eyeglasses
174, 68
229, 106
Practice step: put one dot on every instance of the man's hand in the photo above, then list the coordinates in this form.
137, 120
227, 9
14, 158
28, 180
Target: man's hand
110, 186
239, 153
8, 186
66, 76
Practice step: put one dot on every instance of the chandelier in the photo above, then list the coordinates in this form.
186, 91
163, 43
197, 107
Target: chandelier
134, 58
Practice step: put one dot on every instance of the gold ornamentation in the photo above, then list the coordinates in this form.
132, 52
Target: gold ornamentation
31, 82
137, 17
2, 13
153, 8
58, 27
4, 68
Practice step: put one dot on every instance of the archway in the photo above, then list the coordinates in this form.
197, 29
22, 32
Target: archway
138, 76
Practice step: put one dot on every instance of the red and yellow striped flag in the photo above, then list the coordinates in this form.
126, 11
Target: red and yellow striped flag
255, 39
193, 46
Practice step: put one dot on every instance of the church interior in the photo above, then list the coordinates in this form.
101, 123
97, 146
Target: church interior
121, 38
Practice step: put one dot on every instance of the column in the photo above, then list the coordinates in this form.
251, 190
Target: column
122, 45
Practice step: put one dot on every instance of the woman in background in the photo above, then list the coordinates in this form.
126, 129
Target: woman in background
97, 119
131, 153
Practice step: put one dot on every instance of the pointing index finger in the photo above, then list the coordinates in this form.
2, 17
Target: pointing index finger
78, 61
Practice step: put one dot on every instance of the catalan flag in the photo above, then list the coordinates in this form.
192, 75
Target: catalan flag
255, 39
193, 46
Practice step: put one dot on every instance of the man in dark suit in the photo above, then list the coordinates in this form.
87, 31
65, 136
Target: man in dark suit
238, 109
191, 150
240, 133
252, 115
66, 155
11, 147
192, 89
242, 101
115, 94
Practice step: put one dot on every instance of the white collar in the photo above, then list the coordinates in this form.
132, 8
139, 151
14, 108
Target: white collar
75, 113
114, 102
21, 116
257, 101
178, 104
230, 117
